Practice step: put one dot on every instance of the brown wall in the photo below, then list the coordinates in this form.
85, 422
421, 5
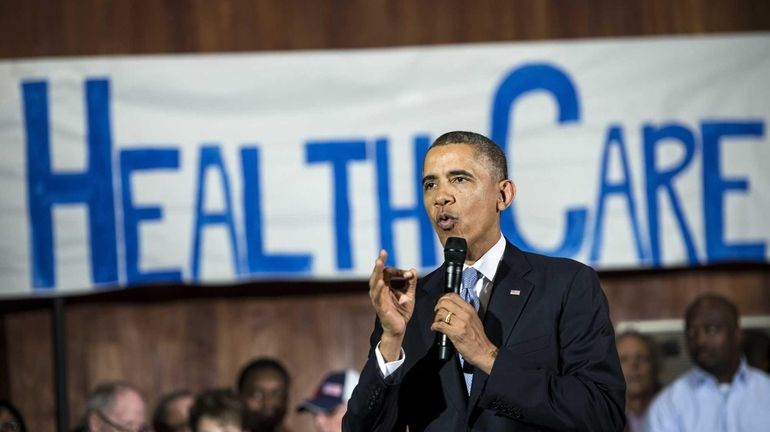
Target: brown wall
198, 339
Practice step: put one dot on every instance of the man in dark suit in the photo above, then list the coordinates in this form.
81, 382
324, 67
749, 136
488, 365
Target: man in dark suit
536, 349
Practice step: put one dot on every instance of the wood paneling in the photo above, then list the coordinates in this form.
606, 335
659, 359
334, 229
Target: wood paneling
199, 341
96, 27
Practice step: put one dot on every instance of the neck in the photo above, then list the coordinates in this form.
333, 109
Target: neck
637, 404
728, 374
475, 252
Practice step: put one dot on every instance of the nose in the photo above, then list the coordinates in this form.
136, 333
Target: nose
443, 195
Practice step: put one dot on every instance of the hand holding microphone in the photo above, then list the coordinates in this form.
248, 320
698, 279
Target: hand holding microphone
455, 250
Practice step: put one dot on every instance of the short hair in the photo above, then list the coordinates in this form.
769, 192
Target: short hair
102, 398
717, 299
219, 404
652, 348
483, 146
159, 416
262, 363
15, 413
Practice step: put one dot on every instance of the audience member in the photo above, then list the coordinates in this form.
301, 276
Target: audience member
263, 386
10, 418
330, 402
756, 348
722, 392
639, 361
217, 411
115, 406
173, 412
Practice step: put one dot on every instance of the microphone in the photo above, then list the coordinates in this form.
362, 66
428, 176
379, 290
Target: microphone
455, 249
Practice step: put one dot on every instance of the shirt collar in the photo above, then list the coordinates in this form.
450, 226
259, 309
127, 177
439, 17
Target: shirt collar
487, 264
699, 376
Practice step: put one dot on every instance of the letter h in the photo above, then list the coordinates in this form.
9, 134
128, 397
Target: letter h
92, 187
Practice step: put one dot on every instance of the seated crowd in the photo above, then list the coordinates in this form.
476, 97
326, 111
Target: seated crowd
257, 404
728, 388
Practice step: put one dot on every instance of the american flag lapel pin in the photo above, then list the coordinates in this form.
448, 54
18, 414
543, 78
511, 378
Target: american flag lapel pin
515, 292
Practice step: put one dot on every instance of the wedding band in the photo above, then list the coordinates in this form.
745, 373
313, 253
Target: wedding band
448, 318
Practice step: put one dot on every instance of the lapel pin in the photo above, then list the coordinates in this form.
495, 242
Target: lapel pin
515, 292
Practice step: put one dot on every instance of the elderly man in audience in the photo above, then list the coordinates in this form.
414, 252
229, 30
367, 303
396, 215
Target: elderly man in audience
722, 392
115, 406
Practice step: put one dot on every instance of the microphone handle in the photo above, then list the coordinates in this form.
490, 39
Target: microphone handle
453, 283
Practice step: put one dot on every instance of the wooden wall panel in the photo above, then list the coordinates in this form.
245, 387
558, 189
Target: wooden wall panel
96, 27
30, 367
665, 295
200, 341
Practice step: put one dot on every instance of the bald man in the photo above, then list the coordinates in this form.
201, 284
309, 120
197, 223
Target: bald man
722, 392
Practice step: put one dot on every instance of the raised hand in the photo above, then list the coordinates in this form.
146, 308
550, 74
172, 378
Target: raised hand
392, 292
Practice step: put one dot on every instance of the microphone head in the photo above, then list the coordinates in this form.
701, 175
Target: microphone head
455, 249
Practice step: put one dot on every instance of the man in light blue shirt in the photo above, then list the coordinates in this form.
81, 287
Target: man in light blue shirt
722, 393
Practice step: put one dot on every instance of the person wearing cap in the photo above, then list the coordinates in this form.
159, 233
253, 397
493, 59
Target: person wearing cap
330, 402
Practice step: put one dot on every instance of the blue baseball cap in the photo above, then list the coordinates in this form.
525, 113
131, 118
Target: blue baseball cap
334, 390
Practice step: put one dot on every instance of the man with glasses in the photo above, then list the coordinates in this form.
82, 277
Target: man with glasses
115, 407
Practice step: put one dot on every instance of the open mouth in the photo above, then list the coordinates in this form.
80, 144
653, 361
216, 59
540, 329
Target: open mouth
446, 221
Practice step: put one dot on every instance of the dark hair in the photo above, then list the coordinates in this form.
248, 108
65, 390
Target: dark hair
652, 348
718, 300
485, 147
257, 365
8, 406
220, 404
159, 417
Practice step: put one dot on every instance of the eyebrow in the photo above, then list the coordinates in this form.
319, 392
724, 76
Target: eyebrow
452, 173
461, 172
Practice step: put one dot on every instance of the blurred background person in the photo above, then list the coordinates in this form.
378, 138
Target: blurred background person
217, 411
115, 407
330, 402
722, 392
641, 365
10, 418
263, 386
172, 414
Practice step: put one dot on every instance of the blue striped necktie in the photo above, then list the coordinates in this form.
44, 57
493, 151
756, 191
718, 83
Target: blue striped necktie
470, 277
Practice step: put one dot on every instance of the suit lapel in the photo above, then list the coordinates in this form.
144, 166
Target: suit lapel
510, 292
452, 379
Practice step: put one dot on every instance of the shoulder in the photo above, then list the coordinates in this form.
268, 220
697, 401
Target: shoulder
759, 378
551, 271
676, 394
565, 266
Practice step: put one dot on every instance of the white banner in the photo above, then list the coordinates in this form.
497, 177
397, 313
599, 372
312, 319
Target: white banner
627, 153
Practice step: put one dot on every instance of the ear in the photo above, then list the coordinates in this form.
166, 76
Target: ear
505, 194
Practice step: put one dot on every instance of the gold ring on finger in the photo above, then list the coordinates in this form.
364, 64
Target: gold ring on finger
448, 318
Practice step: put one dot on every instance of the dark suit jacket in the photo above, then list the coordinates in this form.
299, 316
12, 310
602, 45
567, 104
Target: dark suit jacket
557, 368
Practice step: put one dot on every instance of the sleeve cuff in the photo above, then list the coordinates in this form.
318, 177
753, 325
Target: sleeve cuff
387, 369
